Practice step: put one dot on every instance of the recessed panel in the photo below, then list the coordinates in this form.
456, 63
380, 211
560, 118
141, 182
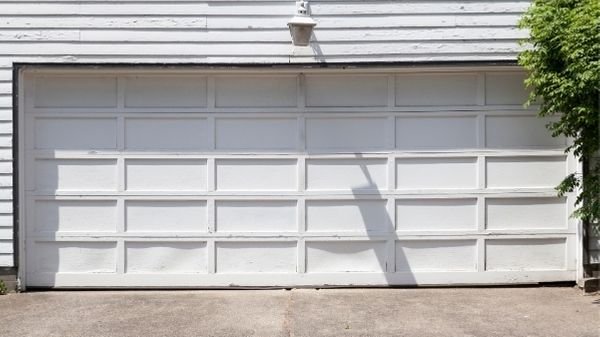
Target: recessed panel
350, 134
514, 172
76, 174
75, 92
347, 215
165, 91
436, 214
256, 174
256, 257
525, 254
505, 88
436, 255
165, 174
256, 91
526, 213
256, 216
520, 132
346, 174
166, 134
345, 256
256, 133
75, 216
75, 133
75, 257
346, 90
165, 216
166, 257
436, 173
436, 133
436, 89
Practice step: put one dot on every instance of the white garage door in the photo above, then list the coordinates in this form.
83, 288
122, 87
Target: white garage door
185, 179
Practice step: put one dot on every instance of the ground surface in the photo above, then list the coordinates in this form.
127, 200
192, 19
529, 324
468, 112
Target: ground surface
553, 311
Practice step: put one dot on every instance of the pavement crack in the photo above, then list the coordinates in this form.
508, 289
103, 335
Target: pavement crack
287, 315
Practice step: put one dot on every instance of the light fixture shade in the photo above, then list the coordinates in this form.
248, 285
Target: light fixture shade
301, 28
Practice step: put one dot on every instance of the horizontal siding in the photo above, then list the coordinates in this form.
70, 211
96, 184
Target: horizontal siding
241, 31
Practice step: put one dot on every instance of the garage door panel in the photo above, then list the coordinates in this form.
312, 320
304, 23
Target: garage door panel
76, 257
166, 257
436, 173
256, 257
345, 256
526, 213
75, 175
348, 216
436, 214
256, 174
260, 134
75, 92
346, 174
350, 134
526, 254
436, 255
75, 216
523, 172
256, 91
165, 91
256, 216
505, 88
436, 89
526, 132
346, 91
75, 133
169, 216
165, 174
443, 133
145, 134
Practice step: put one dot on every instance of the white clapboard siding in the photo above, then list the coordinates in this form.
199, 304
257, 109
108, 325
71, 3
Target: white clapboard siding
246, 31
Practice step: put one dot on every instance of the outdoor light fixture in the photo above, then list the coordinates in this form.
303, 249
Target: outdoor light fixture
301, 25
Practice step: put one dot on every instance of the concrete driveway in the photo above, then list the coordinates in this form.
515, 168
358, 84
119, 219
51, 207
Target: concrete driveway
543, 312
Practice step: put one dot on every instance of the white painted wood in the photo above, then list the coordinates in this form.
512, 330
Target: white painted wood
525, 254
436, 214
525, 172
350, 134
186, 134
344, 256
350, 91
74, 216
165, 257
520, 132
72, 133
174, 91
427, 173
251, 185
436, 89
165, 175
443, 133
345, 215
256, 257
353, 175
425, 255
165, 216
72, 92
505, 88
522, 213
256, 216
239, 134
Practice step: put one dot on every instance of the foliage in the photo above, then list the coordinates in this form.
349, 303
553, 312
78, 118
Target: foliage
562, 57
3, 288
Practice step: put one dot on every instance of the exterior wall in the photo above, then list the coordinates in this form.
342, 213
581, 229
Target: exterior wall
244, 31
